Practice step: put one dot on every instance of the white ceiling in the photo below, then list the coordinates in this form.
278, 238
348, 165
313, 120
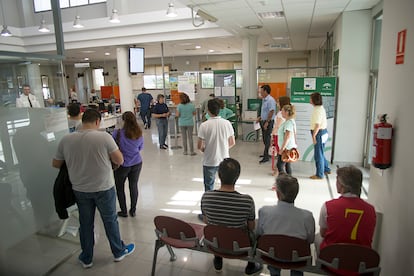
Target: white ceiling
144, 24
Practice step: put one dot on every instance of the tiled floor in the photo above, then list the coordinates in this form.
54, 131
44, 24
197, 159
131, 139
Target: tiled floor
171, 184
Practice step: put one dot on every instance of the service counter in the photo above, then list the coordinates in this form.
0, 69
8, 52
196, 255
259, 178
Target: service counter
110, 121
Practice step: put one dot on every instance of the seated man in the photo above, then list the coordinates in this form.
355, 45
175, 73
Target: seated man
347, 219
286, 219
234, 210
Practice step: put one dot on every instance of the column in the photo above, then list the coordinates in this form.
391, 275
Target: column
125, 84
35, 82
249, 61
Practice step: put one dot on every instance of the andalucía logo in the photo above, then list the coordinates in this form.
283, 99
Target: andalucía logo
327, 86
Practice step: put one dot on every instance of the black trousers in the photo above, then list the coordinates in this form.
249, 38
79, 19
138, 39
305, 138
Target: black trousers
121, 174
267, 137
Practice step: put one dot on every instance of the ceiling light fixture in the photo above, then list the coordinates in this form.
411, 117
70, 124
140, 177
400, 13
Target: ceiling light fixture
43, 27
77, 23
5, 31
171, 10
114, 17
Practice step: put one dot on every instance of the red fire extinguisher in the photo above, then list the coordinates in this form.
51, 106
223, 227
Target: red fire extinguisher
381, 152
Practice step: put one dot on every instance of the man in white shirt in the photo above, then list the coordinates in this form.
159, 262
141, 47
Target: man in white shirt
27, 99
215, 138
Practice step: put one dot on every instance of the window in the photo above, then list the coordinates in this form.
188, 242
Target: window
153, 77
44, 5
45, 87
98, 78
207, 80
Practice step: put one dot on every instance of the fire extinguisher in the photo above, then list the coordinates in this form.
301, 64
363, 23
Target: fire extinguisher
381, 152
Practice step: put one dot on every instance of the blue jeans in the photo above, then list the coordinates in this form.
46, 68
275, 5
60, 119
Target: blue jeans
187, 132
282, 165
121, 175
162, 125
146, 116
275, 271
322, 165
87, 204
209, 174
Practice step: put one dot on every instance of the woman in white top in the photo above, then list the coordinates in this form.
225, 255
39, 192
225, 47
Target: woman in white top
280, 102
286, 137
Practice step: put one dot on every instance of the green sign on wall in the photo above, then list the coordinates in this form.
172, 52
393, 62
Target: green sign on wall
302, 88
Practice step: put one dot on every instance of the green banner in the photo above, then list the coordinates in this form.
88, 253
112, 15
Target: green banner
302, 88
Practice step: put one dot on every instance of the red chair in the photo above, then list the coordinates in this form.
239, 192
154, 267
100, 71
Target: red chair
176, 233
228, 242
344, 259
283, 251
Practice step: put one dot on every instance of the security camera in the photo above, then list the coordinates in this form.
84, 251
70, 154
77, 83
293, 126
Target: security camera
206, 16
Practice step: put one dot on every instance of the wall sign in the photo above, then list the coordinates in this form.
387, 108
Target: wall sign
401, 47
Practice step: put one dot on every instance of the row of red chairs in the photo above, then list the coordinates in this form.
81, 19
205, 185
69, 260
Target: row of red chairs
276, 250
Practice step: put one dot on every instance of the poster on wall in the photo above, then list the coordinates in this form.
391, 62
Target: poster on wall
301, 89
186, 86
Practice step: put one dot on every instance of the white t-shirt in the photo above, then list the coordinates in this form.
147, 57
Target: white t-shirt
216, 133
86, 153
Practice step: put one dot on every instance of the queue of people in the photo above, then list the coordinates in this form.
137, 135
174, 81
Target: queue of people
341, 219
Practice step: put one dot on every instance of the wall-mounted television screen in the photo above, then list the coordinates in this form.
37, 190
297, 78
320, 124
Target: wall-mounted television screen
136, 60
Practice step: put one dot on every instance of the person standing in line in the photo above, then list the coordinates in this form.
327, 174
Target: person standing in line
265, 119
88, 154
228, 207
215, 138
280, 102
27, 99
347, 219
185, 113
161, 113
319, 132
130, 141
145, 101
286, 219
286, 137
74, 120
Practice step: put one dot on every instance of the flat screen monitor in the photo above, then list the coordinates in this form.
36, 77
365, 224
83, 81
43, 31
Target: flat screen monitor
136, 60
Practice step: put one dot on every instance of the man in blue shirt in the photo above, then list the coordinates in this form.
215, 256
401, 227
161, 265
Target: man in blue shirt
145, 99
265, 119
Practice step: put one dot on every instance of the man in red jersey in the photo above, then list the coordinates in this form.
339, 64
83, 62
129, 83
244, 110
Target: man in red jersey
347, 219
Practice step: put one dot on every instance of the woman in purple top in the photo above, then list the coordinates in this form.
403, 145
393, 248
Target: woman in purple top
130, 141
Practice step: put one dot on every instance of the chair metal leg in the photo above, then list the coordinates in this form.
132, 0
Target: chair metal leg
172, 254
158, 245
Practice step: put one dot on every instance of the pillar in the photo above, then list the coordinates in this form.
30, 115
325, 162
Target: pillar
125, 84
249, 61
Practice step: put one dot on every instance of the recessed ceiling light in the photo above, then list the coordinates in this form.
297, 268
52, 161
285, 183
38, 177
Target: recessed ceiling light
211, 51
280, 37
86, 59
270, 15
253, 27
198, 47
107, 54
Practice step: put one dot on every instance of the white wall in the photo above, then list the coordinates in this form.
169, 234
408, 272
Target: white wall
352, 37
392, 192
